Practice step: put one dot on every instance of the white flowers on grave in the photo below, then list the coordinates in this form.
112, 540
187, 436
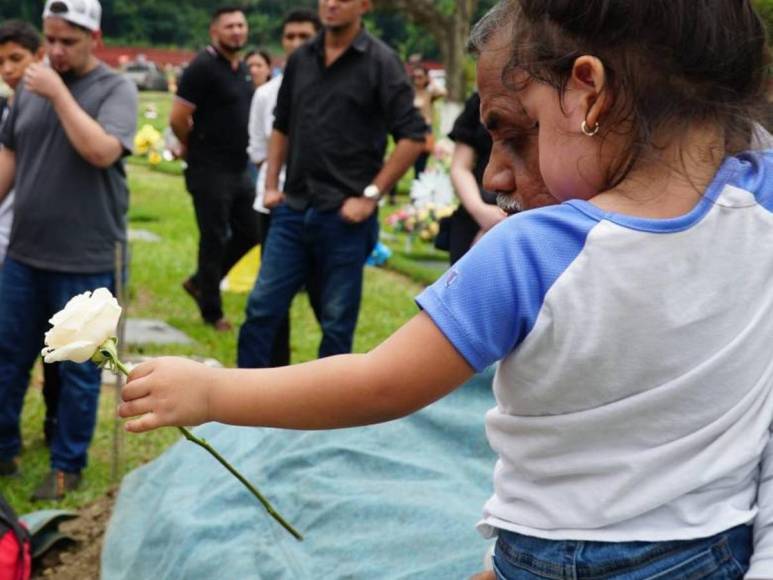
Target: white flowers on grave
433, 187
86, 323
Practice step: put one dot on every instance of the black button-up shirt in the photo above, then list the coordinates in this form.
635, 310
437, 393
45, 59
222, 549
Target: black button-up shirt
222, 96
337, 119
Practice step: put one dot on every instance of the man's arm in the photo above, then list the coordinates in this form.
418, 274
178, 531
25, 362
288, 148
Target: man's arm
181, 120
7, 171
358, 209
85, 134
277, 156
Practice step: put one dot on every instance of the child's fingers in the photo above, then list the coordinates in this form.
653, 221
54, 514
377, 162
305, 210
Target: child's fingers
145, 423
141, 370
135, 390
134, 408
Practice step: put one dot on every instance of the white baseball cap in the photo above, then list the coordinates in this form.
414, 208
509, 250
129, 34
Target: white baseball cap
85, 13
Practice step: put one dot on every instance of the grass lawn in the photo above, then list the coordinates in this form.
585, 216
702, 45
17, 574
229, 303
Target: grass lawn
160, 205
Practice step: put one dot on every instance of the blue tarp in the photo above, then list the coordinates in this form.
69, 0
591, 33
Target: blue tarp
398, 500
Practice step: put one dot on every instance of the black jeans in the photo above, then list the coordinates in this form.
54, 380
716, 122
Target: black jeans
228, 228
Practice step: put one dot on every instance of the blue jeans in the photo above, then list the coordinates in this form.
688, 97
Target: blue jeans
724, 556
324, 252
28, 298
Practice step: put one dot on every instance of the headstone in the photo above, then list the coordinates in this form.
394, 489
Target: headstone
151, 331
143, 236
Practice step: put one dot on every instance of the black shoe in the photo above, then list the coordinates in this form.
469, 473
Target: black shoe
220, 325
9, 468
56, 485
192, 289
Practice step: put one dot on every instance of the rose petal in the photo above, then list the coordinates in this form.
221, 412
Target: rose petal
77, 352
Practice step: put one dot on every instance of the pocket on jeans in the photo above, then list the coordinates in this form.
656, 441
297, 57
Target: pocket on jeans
715, 562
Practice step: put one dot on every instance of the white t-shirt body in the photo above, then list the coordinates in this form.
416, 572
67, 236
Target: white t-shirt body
634, 390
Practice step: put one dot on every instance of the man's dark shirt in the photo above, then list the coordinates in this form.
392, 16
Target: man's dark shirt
337, 119
222, 97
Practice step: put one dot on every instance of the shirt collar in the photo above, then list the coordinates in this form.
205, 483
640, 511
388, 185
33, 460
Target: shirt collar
360, 42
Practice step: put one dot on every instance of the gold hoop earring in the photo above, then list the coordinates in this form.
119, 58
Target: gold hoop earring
587, 130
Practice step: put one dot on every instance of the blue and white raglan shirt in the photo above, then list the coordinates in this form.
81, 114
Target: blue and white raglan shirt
636, 365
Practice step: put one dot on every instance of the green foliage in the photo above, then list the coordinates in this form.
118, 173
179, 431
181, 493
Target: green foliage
184, 24
765, 8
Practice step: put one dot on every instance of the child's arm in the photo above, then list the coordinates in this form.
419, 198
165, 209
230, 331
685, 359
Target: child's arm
413, 368
762, 557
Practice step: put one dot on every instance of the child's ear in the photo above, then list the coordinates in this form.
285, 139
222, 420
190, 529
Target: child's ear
588, 82
40, 54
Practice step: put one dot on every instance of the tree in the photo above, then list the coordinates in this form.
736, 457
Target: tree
448, 22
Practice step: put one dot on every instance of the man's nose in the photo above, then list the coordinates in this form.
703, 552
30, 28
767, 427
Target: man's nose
499, 175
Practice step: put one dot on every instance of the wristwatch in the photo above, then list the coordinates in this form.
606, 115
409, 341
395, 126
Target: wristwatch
371, 192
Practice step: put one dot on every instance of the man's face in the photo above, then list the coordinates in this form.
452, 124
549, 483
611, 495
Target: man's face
229, 32
295, 34
513, 171
68, 47
14, 60
338, 14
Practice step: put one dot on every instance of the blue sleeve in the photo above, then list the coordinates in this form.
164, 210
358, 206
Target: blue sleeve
488, 302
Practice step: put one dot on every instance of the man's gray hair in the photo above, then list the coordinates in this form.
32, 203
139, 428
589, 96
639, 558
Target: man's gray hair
500, 15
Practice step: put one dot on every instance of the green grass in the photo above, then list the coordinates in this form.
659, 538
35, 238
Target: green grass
159, 204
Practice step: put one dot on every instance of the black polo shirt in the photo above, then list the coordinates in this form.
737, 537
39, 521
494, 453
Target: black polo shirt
337, 119
222, 98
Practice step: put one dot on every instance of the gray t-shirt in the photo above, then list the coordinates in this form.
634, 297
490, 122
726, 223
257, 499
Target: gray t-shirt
69, 214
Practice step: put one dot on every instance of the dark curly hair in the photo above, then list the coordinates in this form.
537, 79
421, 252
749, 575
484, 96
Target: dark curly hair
668, 63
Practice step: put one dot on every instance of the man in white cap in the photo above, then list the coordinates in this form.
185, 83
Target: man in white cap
72, 122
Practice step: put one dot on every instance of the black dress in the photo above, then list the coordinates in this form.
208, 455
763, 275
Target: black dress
469, 130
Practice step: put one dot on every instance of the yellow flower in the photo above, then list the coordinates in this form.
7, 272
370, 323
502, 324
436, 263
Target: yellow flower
154, 158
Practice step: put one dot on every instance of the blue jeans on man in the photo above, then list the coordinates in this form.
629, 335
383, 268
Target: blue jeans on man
321, 250
28, 298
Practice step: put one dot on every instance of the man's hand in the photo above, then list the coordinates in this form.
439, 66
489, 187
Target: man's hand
43, 81
356, 210
273, 198
166, 392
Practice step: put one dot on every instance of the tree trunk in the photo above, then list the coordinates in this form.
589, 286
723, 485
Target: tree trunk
450, 31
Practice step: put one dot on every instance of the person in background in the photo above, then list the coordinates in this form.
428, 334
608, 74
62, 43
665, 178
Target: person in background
20, 46
71, 124
258, 62
425, 94
209, 117
342, 94
478, 211
298, 27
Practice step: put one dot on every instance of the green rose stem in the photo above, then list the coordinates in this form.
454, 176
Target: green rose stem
107, 356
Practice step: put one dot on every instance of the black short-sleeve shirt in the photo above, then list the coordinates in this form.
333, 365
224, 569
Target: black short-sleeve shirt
337, 119
469, 130
222, 96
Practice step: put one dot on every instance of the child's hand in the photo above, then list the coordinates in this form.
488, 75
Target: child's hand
166, 392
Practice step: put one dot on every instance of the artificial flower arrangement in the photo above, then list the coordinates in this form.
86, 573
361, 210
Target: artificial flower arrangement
150, 143
432, 199
85, 330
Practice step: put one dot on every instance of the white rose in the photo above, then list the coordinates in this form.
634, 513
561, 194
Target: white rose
87, 321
